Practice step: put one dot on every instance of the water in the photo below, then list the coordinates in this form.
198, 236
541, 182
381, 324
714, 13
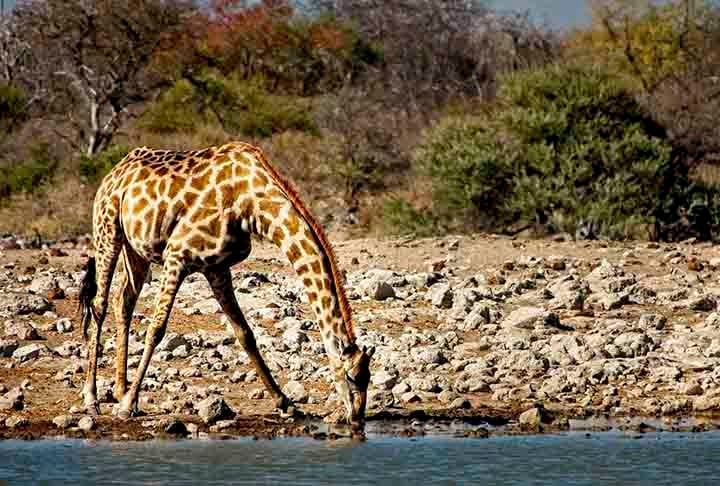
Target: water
568, 459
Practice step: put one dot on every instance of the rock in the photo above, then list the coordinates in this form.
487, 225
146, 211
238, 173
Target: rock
531, 419
213, 409
652, 321
175, 427
614, 301
410, 397
16, 422
171, 341
8, 347
30, 352
296, 391
13, 400
64, 421
428, 355
460, 403
691, 388
181, 352
87, 424
14, 303
384, 380
376, 284
441, 296
64, 325
525, 318
21, 330
702, 303
295, 337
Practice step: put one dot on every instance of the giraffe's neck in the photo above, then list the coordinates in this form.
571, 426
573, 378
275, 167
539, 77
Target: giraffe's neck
314, 266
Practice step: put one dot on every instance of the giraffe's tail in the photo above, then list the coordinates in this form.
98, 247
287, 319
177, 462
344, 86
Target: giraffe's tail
88, 290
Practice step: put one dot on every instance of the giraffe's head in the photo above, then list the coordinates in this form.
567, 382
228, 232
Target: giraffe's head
352, 383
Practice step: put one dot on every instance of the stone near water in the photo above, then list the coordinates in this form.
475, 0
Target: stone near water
64, 421
296, 392
213, 409
87, 424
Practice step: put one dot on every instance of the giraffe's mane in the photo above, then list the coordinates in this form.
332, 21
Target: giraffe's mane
294, 196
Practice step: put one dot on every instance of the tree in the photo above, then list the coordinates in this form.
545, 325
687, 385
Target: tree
93, 59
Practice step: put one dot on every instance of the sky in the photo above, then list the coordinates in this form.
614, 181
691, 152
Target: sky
557, 14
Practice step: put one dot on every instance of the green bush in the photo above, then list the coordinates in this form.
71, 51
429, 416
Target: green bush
13, 107
399, 213
30, 175
566, 145
241, 107
92, 169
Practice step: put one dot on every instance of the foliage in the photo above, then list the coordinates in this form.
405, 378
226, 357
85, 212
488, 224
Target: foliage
93, 169
240, 107
399, 214
13, 107
568, 145
29, 175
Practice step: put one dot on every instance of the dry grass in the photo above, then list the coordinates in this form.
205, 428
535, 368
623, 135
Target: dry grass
63, 208
708, 174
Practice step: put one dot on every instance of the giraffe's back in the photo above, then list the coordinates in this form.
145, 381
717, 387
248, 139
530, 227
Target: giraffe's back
201, 203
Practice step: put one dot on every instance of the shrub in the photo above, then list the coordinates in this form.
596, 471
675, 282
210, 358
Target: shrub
30, 175
566, 146
94, 168
240, 107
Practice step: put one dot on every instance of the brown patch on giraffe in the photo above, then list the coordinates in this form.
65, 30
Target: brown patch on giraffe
161, 212
240, 170
177, 208
292, 223
162, 171
142, 174
308, 247
203, 213
197, 242
223, 174
176, 186
137, 229
302, 269
227, 195
212, 228
136, 191
209, 200
242, 186
190, 198
162, 187
312, 297
264, 224
247, 208
326, 302
278, 235
307, 282
151, 189
260, 180
294, 253
271, 207
319, 283
275, 193
316, 267
202, 167
140, 206
200, 182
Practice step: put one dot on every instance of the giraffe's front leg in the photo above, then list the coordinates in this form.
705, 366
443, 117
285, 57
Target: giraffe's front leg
221, 283
172, 278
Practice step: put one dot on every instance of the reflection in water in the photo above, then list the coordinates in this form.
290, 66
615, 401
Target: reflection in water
570, 459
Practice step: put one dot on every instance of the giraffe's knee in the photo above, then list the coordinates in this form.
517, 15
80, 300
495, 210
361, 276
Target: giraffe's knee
155, 334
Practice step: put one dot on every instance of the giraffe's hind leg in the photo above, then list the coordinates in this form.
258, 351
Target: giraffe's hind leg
221, 283
135, 269
108, 242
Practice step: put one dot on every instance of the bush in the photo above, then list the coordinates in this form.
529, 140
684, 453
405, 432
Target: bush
566, 147
30, 175
13, 107
94, 168
240, 107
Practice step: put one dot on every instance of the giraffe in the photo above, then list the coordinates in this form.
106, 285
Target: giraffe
195, 211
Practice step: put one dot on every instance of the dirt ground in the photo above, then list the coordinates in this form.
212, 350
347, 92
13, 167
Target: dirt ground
47, 397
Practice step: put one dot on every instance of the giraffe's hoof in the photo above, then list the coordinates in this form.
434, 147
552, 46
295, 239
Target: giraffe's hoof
284, 403
125, 413
93, 409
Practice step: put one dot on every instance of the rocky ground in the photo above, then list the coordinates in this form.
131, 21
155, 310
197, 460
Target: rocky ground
477, 330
